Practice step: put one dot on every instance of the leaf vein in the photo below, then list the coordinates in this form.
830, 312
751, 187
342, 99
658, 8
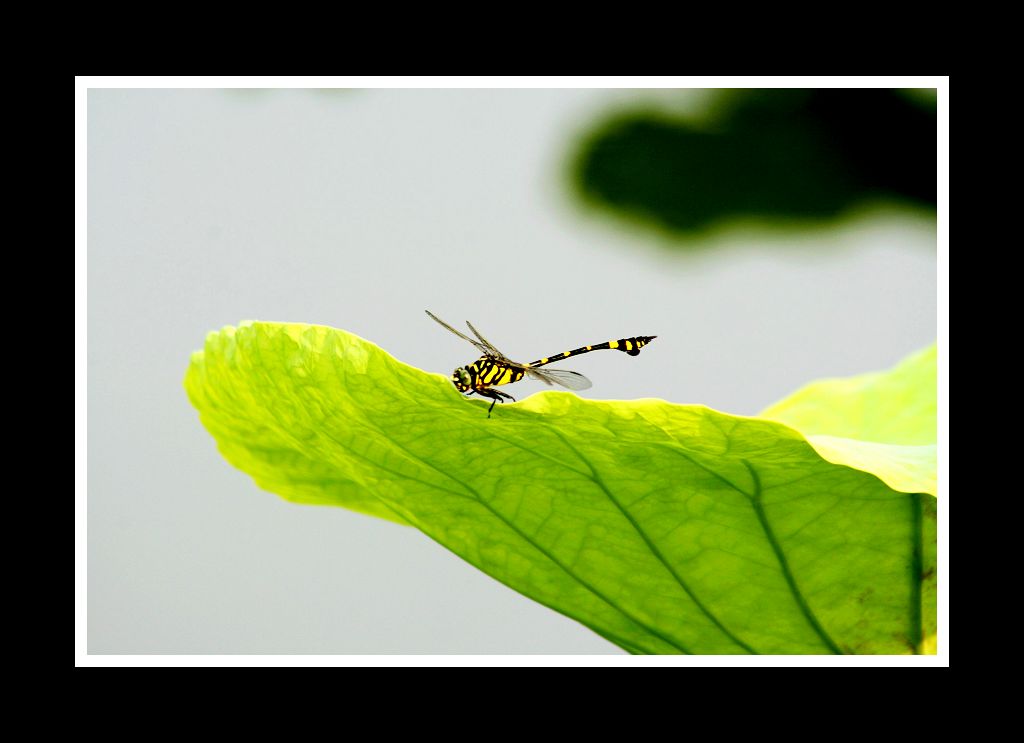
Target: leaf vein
596, 478
798, 597
916, 567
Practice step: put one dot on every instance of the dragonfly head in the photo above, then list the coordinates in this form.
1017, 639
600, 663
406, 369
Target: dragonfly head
462, 379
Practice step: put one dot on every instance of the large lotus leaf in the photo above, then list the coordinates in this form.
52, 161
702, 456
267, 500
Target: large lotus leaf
664, 528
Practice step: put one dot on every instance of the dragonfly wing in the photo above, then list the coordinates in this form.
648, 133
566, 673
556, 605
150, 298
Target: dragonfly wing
568, 379
484, 349
487, 343
536, 374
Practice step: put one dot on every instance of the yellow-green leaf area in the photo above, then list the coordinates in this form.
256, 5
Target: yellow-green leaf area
883, 422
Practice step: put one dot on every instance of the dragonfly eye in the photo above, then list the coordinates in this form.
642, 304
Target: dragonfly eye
462, 375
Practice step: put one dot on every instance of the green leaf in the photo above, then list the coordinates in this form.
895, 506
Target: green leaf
664, 528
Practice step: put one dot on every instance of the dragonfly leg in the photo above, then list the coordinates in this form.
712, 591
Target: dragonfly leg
495, 396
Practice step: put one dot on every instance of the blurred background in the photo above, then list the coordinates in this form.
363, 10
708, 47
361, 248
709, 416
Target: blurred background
767, 237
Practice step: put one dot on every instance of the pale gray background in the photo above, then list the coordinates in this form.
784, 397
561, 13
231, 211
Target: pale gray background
359, 210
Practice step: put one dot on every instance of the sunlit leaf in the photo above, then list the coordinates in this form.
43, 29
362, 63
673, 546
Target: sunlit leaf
883, 422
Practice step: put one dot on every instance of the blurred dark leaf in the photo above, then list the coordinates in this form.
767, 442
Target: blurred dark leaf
780, 155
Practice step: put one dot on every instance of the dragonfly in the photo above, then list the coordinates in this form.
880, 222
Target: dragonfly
494, 368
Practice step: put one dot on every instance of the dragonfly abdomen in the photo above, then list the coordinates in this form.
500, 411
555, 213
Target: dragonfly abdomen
631, 346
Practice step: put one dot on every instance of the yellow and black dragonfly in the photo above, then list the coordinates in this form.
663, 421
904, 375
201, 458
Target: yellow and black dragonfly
495, 368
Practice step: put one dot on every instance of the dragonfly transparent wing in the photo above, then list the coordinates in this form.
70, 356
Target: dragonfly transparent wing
484, 349
535, 374
494, 349
568, 379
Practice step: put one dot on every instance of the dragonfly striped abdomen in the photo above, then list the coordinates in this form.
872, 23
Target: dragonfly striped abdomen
495, 369
631, 346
